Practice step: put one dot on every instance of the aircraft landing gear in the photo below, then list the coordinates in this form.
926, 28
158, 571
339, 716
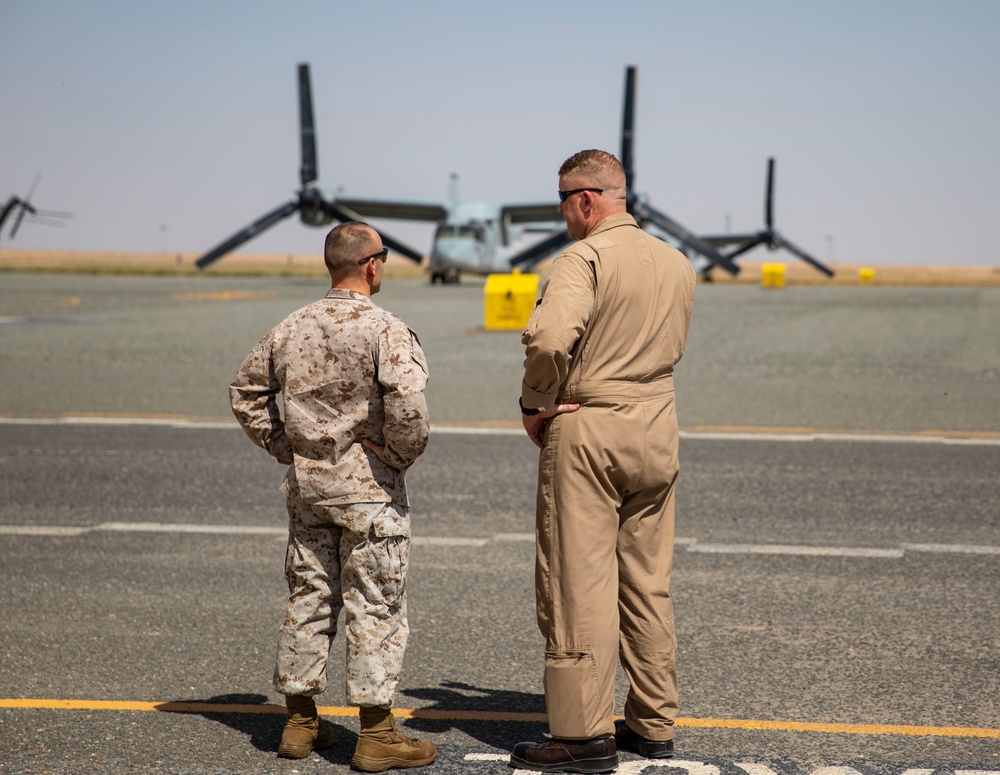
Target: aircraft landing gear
449, 276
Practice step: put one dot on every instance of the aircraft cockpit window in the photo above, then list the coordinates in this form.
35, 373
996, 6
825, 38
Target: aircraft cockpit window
473, 230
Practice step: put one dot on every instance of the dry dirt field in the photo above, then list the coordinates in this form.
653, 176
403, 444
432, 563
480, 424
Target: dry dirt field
308, 265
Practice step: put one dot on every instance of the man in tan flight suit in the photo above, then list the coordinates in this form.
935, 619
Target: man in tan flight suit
598, 399
351, 376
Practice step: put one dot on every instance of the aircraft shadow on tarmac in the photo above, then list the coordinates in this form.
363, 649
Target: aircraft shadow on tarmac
455, 695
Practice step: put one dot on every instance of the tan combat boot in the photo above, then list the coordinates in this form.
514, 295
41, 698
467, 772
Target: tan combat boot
303, 732
380, 747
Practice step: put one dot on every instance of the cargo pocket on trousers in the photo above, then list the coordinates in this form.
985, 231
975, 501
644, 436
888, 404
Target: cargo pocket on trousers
571, 693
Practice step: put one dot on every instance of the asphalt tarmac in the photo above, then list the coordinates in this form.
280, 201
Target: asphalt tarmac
837, 572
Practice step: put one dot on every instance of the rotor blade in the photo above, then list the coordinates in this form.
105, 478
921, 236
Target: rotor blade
749, 244
378, 208
8, 209
307, 128
782, 242
628, 125
53, 214
530, 256
24, 208
400, 247
725, 240
344, 215
34, 185
41, 221
768, 202
646, 213
545, 212
248, 233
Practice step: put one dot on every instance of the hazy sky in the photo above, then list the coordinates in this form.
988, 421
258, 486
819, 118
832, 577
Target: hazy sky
172, 125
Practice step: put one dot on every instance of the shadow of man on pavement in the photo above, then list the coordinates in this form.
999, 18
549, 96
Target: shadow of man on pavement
456, 705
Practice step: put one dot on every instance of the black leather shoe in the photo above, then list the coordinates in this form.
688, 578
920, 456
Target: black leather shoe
596, 755
628, 740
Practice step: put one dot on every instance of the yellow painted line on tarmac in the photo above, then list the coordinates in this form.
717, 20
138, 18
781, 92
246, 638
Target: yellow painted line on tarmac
480, 715
838, 729
225, 295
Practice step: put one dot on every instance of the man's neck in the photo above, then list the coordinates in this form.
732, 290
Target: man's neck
601, 217
352, 284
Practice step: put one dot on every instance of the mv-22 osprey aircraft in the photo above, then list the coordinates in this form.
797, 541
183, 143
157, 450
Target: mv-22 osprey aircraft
471, 236
702, 251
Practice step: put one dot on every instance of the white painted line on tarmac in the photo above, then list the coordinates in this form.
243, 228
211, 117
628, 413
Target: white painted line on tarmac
42, 530
446, 541
952, 548
891, 553
166, 422
501, 429
707, 768
166, 527
806, 551
479, 430
752, 768
894, 438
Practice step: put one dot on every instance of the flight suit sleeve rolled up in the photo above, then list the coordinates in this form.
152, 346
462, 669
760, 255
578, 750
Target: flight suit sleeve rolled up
253, 395
555, 328
402, 373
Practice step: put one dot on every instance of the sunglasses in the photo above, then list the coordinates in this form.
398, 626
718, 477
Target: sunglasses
382, 255
564, 195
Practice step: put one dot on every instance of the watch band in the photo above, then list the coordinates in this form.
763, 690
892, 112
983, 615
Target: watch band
526, 411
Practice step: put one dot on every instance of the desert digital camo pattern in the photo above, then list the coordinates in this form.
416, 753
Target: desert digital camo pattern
347, 371
353, 557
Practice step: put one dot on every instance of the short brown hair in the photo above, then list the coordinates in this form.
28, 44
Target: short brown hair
345, 244
600, 166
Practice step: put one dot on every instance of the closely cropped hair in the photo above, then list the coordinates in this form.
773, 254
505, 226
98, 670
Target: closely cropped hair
345, 244
600, 166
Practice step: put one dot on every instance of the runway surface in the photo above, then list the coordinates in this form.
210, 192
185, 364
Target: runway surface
837, 569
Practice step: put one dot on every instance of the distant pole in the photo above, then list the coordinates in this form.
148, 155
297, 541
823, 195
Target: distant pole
163, 238
829, 248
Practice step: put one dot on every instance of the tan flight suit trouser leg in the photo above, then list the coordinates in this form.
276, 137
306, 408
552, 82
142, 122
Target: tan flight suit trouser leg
604, 547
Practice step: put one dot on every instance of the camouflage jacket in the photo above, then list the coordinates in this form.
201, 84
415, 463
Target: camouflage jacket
347, 371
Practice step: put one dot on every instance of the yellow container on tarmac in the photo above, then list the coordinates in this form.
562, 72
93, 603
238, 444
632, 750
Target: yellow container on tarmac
772, 276
509, 300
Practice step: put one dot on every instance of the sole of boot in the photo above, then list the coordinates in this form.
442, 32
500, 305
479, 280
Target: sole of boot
587, 766
367, 764
294, 751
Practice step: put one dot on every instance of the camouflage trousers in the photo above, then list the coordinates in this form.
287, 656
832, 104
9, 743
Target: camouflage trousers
353, 557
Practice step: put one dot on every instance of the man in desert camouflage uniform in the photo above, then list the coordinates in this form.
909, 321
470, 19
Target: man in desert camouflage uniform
351, 376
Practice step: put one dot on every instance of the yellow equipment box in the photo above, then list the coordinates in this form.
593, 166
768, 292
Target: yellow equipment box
772, 276
509, 300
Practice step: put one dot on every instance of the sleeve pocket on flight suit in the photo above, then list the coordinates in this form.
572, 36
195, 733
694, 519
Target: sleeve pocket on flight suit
571, 691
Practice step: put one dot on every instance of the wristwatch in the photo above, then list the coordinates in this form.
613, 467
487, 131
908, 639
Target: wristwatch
526, 411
